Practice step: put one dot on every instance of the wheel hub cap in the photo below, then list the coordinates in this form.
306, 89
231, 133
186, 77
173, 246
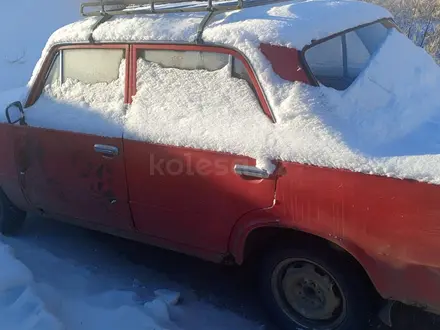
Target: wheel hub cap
309, 292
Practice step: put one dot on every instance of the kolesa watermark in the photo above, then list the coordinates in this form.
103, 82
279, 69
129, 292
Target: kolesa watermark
190, 165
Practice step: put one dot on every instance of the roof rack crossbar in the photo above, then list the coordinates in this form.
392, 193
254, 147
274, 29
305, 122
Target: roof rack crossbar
133, 7
202, 25
104, 18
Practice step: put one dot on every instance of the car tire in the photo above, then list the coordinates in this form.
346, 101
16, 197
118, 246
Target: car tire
341, 300
11, 218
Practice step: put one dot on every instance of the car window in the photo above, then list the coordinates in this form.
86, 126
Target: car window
194, 60
338, 61
83, 91
192, 98
330, 65
83, 73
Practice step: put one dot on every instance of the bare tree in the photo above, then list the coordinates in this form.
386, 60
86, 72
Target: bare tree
419, 19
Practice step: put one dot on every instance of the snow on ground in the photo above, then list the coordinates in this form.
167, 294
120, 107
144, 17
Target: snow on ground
64, 278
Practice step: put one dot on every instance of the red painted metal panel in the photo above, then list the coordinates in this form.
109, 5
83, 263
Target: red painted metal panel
392, 226
189, 196
10, 137
6, 151
285, 62
65, 176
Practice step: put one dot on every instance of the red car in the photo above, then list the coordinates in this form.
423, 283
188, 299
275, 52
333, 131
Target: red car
267, 134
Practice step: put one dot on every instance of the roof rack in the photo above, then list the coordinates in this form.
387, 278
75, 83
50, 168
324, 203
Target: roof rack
106, 9
133, 7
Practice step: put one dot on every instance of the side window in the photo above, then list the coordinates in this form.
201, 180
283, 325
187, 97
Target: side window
87, 76
192, 98
326, 59
193, 60
338, 61
358, 55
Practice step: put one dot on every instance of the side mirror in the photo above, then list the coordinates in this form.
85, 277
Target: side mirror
15, 113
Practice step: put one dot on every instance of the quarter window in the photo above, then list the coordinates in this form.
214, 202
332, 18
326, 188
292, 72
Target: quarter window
337, 62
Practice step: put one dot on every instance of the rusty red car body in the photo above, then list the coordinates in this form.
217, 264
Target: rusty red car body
391, 227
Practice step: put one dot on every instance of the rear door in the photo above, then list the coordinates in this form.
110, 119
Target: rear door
186, 124
71, 161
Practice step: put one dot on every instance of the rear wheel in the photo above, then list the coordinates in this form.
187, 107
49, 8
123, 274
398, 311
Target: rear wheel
314, 290
11, 218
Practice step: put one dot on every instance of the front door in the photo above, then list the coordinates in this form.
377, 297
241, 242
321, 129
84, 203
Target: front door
71, 160
184, 130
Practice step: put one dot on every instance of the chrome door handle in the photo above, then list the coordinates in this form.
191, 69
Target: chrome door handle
107, 151
251, 171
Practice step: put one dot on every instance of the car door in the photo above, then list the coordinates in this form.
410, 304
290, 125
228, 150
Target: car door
71, 159
186, 184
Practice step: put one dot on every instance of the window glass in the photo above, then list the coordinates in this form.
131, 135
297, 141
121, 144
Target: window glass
337, 62
87, 66
358, 55
84, 91
193, 60
54, 72
192, 99
373, 36
186, 60
240, 71
92, 66
326, 58
87, 75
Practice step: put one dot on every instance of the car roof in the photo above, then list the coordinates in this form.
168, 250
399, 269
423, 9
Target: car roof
291, 23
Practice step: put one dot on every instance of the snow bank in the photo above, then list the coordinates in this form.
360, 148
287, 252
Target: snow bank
20, 307
369, 128
406, 102
26, 304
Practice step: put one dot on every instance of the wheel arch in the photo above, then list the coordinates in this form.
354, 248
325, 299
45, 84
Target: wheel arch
248, 244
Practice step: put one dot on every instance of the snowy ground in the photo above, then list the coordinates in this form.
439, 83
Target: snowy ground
86, 281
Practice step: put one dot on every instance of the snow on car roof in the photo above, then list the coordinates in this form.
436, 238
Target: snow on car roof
290, 23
